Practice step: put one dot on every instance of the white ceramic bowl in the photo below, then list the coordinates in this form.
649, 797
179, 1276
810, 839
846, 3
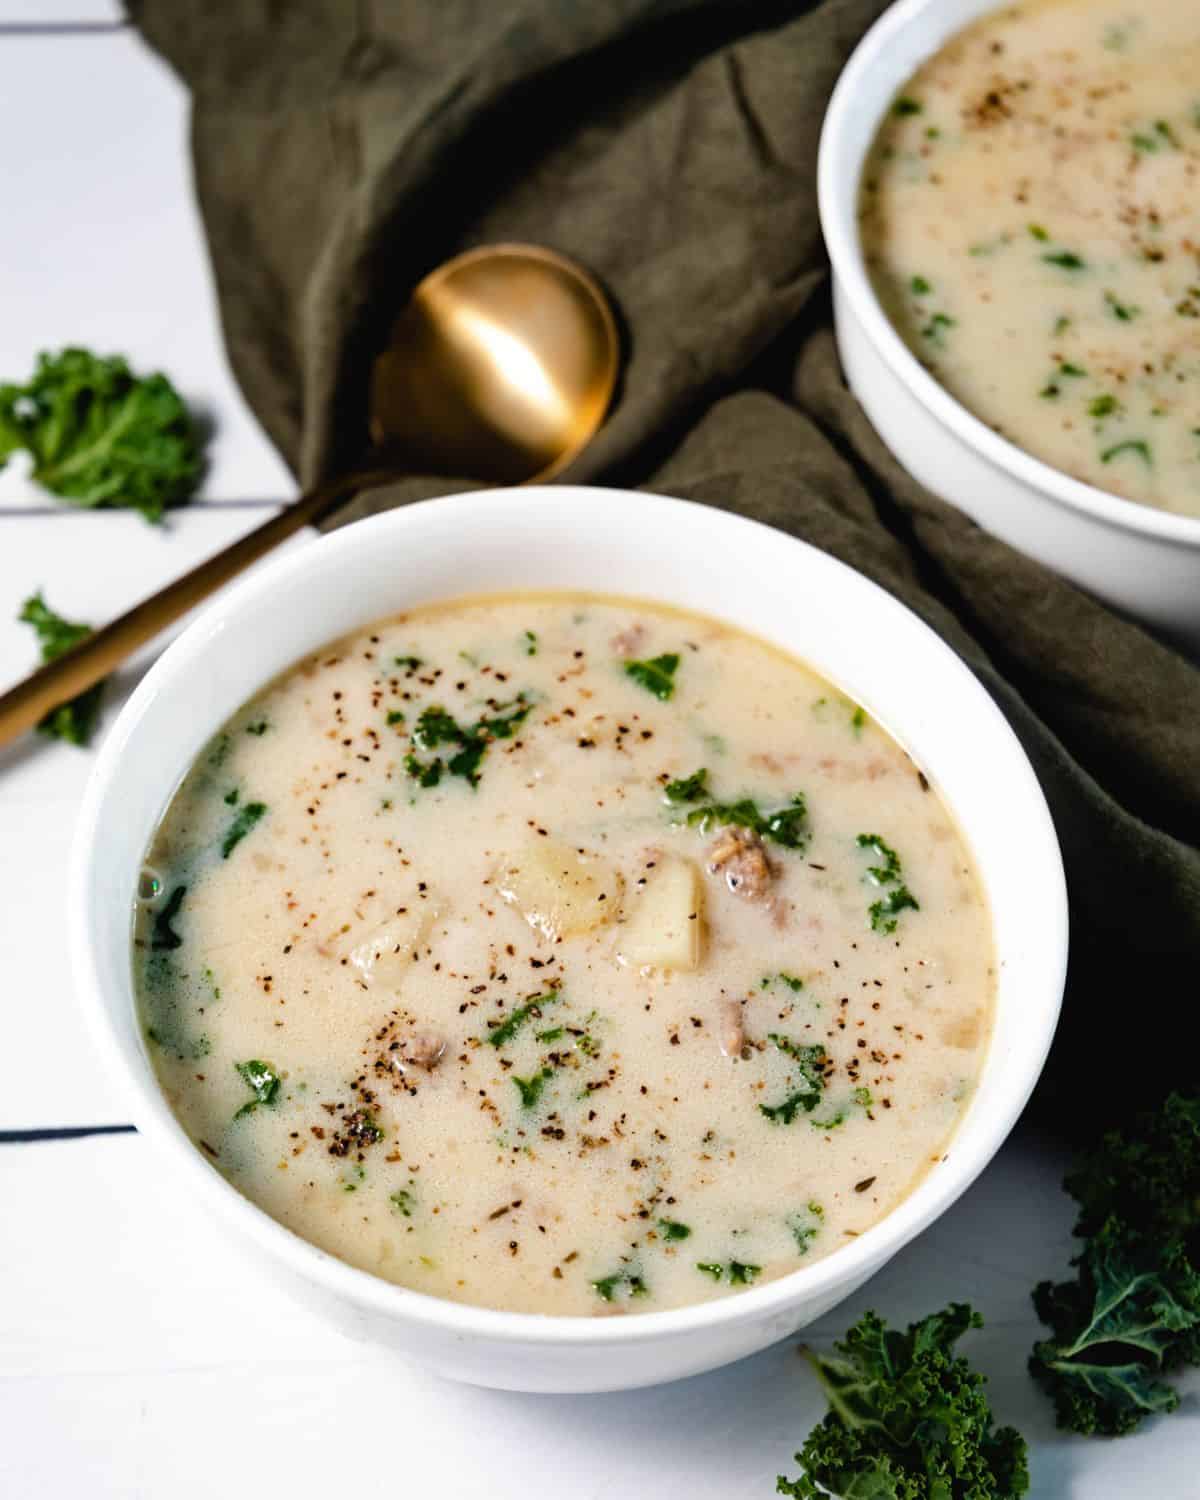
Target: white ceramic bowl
577, 539
1144, 561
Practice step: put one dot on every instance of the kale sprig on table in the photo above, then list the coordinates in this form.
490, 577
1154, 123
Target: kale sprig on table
74, 721
1132, 1313
100, 435
909, 1419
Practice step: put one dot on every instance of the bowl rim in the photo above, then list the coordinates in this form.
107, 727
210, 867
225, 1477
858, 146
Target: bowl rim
837, 197
845, 1267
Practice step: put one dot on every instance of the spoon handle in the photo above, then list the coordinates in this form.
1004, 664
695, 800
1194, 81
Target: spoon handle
97, 655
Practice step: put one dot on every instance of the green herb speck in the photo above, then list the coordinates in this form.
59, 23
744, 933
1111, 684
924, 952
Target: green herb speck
607, 1287
936, 328
532, 1007
806, 1225
1122, 311
163, 936
532, 1088
1066, 259
688, 788
262, 1079
786, 826
883, 914
736, 1272
793, 984
247, 816
657, 675
1131, 445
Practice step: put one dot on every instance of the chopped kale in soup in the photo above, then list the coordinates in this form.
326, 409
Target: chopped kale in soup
1028, 219
522, 978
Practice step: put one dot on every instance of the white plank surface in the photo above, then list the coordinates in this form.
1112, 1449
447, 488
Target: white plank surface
106, 249
138, 1358
64, 13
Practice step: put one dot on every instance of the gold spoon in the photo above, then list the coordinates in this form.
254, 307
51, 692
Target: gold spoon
501, 368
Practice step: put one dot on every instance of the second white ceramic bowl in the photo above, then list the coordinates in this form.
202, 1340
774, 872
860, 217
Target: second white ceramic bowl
1143, 561
564, 538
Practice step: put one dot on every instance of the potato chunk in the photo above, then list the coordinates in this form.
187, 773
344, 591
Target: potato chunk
560, 891
664, 925
385, 957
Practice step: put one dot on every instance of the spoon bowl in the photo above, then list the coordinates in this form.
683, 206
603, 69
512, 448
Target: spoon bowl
501, 366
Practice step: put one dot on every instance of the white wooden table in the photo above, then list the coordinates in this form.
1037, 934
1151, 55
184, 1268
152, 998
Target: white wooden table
137, 1357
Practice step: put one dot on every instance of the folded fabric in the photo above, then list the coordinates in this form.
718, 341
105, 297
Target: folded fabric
342, 149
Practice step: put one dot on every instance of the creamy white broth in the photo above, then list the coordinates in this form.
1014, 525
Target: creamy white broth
1028, 217
537, 1041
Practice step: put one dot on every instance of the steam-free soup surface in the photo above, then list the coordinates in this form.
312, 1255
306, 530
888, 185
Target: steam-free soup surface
565, 955
1028, 216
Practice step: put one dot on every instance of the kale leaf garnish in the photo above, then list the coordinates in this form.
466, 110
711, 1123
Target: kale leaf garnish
808, 1083
163, 936
74, 721
626, 1280
736, 1272
532, 1007
100, 435
786, 826
532, 1088
247, 816
688, 788
884, 913
436, 727
263, 1081
1132, 1313
657, 675
908, 1419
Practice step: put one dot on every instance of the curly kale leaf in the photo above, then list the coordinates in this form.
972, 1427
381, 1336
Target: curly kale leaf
74, 721
263, 1082
1111, 1329
1147, 1176
1132, 1313
657, 675
688, 788
908, 1420
246, 818
100, 435
883, 914
787, 825
808, 1081
436, 727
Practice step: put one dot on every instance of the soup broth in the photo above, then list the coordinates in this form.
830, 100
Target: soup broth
563, 954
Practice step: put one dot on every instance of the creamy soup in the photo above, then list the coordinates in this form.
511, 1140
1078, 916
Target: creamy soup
1029, 219
563, 954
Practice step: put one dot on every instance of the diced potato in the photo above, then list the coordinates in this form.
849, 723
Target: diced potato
385, 957
664, 925
560, 892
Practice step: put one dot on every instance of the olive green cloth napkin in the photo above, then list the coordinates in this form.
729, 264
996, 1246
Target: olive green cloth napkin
342, 148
